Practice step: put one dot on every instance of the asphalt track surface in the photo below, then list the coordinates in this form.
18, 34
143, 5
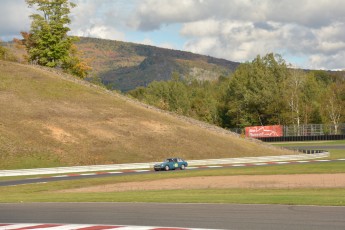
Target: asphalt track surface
209, 216
133, 172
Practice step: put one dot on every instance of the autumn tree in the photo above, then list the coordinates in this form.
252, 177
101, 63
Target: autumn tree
5, 53
47, 42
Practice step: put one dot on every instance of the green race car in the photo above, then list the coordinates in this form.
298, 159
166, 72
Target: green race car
171, 164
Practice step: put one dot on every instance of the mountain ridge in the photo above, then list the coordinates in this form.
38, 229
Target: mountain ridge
126, 66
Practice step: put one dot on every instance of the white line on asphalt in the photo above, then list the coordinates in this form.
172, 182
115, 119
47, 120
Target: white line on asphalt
87, 174
83, 226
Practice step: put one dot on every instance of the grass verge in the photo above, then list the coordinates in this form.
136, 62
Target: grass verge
332, 197
49, 192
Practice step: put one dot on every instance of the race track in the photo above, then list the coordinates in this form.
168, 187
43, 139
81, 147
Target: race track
209, 216
76, 176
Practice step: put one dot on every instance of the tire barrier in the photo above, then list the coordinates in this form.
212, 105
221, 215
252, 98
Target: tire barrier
308, 151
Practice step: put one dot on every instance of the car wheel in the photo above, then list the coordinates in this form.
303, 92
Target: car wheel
183, 167
167, 168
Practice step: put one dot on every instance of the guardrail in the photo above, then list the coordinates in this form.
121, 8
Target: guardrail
306, 151
114, 167
303, 138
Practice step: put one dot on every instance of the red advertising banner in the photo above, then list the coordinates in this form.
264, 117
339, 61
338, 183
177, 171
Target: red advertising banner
264, 131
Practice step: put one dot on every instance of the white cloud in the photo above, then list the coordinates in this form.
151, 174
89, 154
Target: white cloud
151, 14
100, 31
167, 45
240, 29
146, 41
201, 28
13, 18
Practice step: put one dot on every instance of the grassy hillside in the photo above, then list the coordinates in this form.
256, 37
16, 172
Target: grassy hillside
48, 119
125, 66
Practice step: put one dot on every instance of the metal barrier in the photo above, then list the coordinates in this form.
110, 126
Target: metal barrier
302, 138
308, 151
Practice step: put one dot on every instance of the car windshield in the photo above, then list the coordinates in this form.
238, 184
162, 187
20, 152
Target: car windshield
168, 160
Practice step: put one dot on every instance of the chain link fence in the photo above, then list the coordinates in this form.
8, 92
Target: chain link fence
314, 130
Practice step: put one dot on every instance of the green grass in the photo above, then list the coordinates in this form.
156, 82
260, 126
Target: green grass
334, 197
337, 154
49, 192
334, 153
310, 143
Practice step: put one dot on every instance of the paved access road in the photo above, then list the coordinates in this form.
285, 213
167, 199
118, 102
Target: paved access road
212, 216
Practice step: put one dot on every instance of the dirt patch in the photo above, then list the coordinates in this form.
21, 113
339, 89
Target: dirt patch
156, 127
255, 181
60, 134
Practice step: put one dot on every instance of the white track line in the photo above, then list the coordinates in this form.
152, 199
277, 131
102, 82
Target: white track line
239, 165
82, 226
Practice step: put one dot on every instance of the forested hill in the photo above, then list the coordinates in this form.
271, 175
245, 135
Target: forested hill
125, 66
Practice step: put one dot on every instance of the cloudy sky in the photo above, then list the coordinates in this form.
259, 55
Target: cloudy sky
307, 33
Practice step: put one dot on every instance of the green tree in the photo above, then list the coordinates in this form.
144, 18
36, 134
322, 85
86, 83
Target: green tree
170, 95
311, 92
333, 104
292, 96
203, 101
48, 43
253, 95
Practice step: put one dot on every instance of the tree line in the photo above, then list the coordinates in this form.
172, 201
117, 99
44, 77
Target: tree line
264, 91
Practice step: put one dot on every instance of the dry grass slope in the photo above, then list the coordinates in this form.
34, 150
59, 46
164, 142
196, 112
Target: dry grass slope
48, 119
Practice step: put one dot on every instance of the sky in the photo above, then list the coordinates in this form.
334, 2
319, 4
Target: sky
308, 34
